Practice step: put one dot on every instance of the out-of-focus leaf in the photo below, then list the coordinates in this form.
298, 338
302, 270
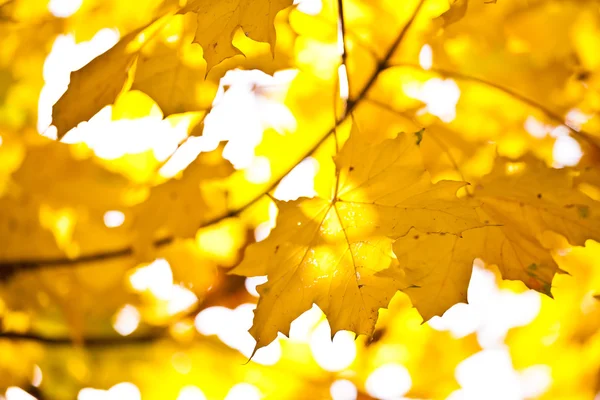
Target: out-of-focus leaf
217, 22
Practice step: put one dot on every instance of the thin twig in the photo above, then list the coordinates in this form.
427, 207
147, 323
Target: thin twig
384, 62
344, 62
526, 100
342, 30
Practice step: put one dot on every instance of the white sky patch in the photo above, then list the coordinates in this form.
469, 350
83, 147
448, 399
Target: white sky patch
535, 380
67, 56
36, 379
120, 391
211, 320
255, 99
537, 128
263, 230
156, 277
575, 118
252, 282
310, 7
111, 139
243, 391
64, 8
340, 38
343, 389
300, 182
231, 326
566, 151
343, 79
126, 320
259, 170
191, 393
426, 57
489, 374
180, 299
183, 156
124, 391
559, 131
92, 394
301, 327
333, 355
389, 381
113, 218
491, 312
16, 393
439, 95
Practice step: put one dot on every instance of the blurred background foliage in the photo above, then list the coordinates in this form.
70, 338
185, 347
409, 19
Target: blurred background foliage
116, 241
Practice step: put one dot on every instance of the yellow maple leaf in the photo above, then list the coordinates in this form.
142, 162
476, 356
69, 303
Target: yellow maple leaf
57, 188
179, 206
527, 199
102, 80
520, 201
328, 251
434, 268
218, 20
95, 85
171, 81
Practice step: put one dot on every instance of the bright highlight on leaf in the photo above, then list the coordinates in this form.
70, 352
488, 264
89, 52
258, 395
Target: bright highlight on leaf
334, 247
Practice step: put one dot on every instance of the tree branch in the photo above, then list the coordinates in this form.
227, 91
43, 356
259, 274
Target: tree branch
384, 62
8, 268
88, 342
234, 285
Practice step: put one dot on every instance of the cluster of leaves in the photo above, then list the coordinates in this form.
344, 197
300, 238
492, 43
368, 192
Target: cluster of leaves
414, 182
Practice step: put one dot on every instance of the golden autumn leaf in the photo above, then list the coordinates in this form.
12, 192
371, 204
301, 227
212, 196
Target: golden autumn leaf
521, 201
571, 351
95, 85
170, 79
218, 21
179, 206
158, 59
435, 269
328, 251
133, 63
40, 206
526, 199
